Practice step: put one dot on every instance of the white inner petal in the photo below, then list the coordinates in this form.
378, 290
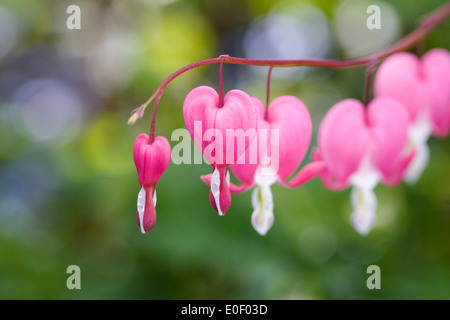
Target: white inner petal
265, 176
363, 199
262, 199
417, 164
141, 208
154, 198
262, 216
420, 130
418, 134
215, 189
228, 178
366, 177
364, 204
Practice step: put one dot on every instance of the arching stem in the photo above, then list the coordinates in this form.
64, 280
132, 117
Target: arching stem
426, 26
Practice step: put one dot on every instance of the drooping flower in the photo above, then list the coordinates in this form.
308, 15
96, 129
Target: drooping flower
284, 134
215, 126
423, 88
151, 160
362, 147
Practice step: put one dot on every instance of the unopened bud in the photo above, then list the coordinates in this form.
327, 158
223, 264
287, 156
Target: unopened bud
133, 119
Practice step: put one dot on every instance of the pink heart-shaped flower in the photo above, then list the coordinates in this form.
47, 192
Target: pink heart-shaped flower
221, 132
151, 160
360, 146
208, 123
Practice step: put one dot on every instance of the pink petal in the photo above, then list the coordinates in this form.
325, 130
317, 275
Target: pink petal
305, 174
233, 188
396, 177
343, 140
206, 178
436, 70
325, 175
245, 166
290, 118
400, 77
151, 160
388, 122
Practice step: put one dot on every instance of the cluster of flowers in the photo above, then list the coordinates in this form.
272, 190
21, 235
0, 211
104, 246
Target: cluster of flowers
358, 146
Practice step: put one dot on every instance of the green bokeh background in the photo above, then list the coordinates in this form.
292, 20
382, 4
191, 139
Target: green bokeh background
68, 194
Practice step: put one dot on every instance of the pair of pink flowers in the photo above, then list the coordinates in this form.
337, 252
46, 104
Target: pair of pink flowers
422, 86
287, 117
357, 146
386, 142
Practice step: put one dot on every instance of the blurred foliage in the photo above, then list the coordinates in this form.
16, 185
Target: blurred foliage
68, 184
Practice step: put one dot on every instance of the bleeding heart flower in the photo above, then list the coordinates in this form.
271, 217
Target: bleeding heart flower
213, 127
284, 134
151, 160
423, 88
361, 147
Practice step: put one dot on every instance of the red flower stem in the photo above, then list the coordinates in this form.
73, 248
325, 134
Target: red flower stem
420, 48
368, 81
427, 25
269, 75
221, 82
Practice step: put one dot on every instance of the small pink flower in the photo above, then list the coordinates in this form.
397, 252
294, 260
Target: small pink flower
209, 124
151, 161
423, 88
284, 134
361, 147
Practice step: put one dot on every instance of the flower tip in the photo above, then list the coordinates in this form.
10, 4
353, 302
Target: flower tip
364, 203
363, 230
132, 120
145, 227
262, 231
220, 205
145, 223
146, 214
219, 195
262, 216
